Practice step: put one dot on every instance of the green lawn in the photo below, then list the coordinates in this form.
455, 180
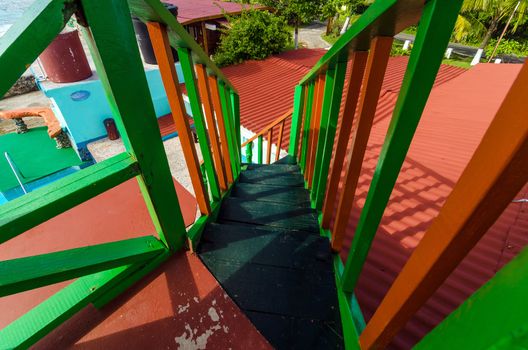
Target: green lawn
457, 63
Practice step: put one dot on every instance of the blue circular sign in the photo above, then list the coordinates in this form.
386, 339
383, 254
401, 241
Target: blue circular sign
80, 95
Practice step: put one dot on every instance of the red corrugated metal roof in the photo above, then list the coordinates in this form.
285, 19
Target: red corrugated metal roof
199, 10
458, 112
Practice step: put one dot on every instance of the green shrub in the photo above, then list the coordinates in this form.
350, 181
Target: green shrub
253, 35
507, 47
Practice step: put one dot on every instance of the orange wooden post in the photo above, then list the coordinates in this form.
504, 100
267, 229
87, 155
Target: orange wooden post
495, 174
314, 128
359, 60
270, 140
279, 143
378, 58
203, 86
217, 106
163, 53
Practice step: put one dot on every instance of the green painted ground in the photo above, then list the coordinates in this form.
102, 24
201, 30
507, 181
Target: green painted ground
35, 155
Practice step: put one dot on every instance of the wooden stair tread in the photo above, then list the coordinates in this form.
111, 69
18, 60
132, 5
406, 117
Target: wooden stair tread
269, 193
265, 178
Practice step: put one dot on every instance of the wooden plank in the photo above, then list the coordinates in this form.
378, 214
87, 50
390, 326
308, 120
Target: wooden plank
39, 321
306, 126
276, 168
275, 194
34, 208
234, 150
279, 142
205, 40
297, 117
260, 149
122, 75
154, 11
492, 318
217, 105
199, 121
305, 89
204, 89
27, 273
278, 179
270, 142
235, 106
160, 43
265, 213
325, 146
436, 26
496, 173
359, 61
29, 36
382, 18
314, 130
375, 71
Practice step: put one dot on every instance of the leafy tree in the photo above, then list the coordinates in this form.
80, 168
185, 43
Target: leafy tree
296, 12
482, 18
253, 35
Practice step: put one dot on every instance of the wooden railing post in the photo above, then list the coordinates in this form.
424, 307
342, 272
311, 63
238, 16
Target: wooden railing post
359, 61
224, 140
314, 129
495, 174
376, 65
436, 26
163, 52
204, 89
270, 143
122, 74
260, 150
231, 136
306, 125
279, 142
298, 111
187, 65
249, 152
329, 120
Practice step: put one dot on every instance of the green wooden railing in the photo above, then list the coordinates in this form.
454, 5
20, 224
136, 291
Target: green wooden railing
469, 211
104, 271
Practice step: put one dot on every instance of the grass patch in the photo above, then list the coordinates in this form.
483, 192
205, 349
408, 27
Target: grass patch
331, 39
457, 63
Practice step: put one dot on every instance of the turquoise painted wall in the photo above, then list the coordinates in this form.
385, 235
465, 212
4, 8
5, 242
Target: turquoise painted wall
81, 107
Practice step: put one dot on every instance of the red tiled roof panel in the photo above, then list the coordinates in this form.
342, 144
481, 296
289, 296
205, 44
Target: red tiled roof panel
190, 11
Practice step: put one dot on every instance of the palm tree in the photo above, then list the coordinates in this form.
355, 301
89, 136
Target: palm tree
495, 11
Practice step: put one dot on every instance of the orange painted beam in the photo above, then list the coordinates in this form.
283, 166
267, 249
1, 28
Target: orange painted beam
203, 87
378, 58
315, 123
217, 106
279, 142
359, 61
495, 174
162, 50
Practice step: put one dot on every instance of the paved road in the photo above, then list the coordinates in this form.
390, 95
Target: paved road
464, 50
310, 35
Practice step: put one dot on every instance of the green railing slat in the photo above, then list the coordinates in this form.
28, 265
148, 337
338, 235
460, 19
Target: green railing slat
228, 126
34, 208
27, 38
494, 317
27, 273
153, 10
382, 18
122, 75
325, 145
187, 66
306, 127
298, 103
249, 153
436, 26
35, 324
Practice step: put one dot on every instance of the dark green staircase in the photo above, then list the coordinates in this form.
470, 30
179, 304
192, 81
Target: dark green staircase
266, 251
